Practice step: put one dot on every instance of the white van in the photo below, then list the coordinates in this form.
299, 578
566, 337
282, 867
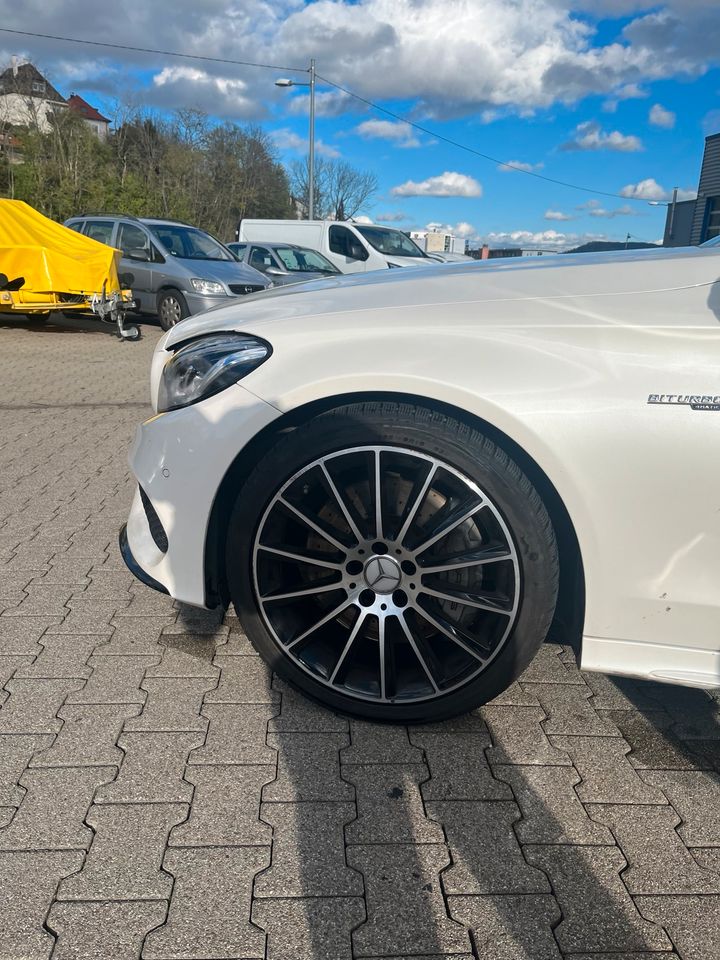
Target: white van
352, 247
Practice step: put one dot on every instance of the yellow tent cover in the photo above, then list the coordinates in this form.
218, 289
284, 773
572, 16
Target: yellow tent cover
53, 258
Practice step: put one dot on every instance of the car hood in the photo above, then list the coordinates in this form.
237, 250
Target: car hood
225, 271
554, 277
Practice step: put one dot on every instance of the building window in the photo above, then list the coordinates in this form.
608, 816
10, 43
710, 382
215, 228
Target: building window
38, 86
712, 223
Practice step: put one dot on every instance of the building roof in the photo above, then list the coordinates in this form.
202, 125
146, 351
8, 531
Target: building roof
20, 79
76, 103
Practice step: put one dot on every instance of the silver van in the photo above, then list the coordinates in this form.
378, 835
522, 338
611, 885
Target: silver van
177, 270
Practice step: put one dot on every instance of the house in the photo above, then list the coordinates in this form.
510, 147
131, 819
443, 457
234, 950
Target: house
438, 241
689, 222
27, 98
92, 117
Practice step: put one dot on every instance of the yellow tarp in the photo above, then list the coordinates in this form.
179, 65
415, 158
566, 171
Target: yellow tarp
52, 258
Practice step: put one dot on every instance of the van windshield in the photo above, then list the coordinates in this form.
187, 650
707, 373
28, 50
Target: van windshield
189, 243
392, 243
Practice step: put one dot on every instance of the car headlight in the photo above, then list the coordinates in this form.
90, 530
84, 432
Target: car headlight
209, 287
207, 366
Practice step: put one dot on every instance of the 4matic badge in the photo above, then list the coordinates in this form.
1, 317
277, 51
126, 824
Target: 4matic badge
694, 401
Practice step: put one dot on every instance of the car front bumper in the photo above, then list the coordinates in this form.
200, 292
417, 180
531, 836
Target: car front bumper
179, 459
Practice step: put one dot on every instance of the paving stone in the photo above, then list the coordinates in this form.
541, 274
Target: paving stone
551, 810
33, 705
236, 734
173, 704
139, 637
19, 636
10, 666
695, 712
620, 693
695, 795
144, 602
225, 807
389, 805
308, 854
87, 616
114, 680
300, 715
653, 744
708, 858
570, 711
51, 816
187, 655
691, 922
152, 771
106, 585
405, 908
518, 737
16, 751
124, 862
308, 768
12, 584
458, 766
597, 912
88, 736
547, 666
28, 881
66, 571
658, 860
510, 927
63, 656
623, 956
486, 855
243, 680
377, 743
310, 929
46, 601
103, 929
235, 642
515, 696
210, 907
607, 776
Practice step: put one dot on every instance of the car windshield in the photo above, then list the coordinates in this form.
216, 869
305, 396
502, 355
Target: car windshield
302, 259
390, 242
713, 242
189, 243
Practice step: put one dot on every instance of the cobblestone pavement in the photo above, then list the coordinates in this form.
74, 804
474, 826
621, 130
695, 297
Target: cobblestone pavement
161, 796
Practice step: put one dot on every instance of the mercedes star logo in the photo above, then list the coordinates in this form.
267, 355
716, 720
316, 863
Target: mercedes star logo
382, 574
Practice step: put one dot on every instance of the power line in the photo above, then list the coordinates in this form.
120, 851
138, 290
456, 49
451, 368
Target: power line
160, 53
337, 86
462, 146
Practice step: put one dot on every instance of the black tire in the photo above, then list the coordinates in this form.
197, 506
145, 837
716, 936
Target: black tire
171, 308
424, 433
38, 317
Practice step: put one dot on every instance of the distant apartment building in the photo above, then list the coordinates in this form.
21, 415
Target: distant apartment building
436, 241
689, 222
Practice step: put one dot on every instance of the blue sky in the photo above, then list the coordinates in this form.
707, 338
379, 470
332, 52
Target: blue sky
616, 95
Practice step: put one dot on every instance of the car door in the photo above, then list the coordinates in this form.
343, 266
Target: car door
345, 250
138, 253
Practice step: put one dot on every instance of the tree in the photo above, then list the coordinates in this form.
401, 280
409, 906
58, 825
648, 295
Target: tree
341, 191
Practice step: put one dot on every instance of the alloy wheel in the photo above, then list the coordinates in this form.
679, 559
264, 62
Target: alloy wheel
386, 574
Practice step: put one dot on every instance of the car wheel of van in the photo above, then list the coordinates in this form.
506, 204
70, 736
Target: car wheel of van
172, 308
392, 562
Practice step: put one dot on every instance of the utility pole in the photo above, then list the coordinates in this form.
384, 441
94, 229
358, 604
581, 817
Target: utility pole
672, 213
311, 155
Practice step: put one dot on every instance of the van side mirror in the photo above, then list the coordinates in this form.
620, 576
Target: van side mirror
358, 251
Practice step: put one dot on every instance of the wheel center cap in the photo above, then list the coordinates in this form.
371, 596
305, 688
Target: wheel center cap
382, 574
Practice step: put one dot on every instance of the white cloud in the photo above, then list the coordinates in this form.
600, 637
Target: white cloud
648, 189
463, 229
286, 139
625, 211
590, 136
362, 219
512, 166
660, 117
397, 217
447, 184
401, 134
557, 215
192, 87
550, 240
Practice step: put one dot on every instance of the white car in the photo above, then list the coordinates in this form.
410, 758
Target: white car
403, 479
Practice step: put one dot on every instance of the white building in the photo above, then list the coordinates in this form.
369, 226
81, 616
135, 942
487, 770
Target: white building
436, 241
27, 98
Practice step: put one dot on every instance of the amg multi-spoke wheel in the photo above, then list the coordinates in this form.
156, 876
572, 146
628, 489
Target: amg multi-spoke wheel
390, 574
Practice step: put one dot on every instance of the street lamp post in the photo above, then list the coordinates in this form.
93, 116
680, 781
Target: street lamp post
672, 204
284, 82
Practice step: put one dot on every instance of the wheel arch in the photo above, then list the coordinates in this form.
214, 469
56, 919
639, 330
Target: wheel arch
570, 613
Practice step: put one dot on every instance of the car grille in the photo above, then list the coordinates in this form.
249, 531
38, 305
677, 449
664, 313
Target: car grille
157, 531
242, 288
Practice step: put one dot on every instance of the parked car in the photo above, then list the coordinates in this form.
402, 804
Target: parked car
351, 247
284, 262
178, 270
403, 480
447, 257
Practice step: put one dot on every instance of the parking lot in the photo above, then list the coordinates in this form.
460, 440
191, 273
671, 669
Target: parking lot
163, 796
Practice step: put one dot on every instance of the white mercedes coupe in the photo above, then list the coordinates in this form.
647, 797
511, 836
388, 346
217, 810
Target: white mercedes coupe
404, 480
